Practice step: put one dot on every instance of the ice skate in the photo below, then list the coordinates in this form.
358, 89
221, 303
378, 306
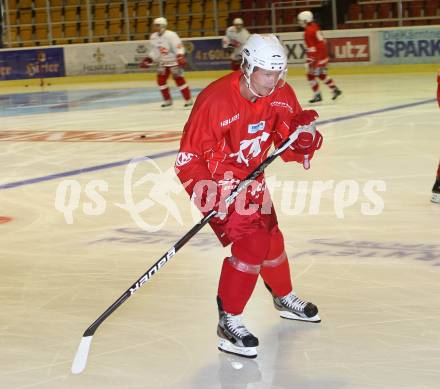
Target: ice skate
234, 337
316, 99
188, 103
167, 103
336, 92
293, 308
436, 192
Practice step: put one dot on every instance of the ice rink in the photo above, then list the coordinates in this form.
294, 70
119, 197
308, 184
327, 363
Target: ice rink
76, 221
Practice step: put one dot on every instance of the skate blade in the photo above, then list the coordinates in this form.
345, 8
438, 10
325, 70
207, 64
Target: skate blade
292, 316
227, 347
435, 198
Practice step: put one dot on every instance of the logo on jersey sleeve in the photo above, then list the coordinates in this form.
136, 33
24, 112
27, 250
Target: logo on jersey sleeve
254, 128
183, 158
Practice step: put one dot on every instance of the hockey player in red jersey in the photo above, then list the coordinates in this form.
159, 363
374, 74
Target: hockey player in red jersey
233, 124
168, 52
316, 57
436, 188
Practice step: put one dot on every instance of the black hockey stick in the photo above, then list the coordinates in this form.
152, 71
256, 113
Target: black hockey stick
80, 360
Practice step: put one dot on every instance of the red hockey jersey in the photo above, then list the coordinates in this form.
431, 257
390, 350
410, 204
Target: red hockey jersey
225, 132
316, 46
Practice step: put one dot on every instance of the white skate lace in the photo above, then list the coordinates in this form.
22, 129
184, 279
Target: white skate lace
294, 303
233, 322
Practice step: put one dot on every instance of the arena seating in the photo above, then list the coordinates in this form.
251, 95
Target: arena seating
31, 22
69, 19
373, 13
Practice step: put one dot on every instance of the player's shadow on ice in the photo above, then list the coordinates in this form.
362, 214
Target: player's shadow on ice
280, 364
289, 367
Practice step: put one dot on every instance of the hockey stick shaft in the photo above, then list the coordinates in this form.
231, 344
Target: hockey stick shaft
81, 355
193, 231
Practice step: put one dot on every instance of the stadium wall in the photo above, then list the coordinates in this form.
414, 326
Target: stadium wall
358, 49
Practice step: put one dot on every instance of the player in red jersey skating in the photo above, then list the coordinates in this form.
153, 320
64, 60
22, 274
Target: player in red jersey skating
233, 124
316, 57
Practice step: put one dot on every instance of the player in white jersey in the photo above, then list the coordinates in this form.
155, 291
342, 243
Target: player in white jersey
235, 38
168, 52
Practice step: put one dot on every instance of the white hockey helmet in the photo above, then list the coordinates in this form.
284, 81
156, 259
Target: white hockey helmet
305, 17
238, 21
265, 52
162, 22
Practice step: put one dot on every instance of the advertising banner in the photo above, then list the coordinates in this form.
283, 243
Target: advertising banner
105, 58
410, 46
125, 57
349, 49
340, 49
32, 63
295, 50
206, 54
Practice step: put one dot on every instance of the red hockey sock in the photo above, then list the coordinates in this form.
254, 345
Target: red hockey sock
240, 271
327, 81
163, 87
184, 89
313, 83
278, 278
275, 270
165, 92
438, 171
235, 288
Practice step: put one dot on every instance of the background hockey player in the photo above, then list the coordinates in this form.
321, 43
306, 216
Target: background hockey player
233, 124
234, 39
316, 57
436, 188
168, 52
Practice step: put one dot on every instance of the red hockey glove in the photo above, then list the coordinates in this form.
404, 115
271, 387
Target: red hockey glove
181, 61
304, 122
309, 139
314, 143
146, 63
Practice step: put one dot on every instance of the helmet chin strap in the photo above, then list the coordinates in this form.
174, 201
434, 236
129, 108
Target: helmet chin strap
248, 83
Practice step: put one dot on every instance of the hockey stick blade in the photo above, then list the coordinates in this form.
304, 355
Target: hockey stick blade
80, 360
